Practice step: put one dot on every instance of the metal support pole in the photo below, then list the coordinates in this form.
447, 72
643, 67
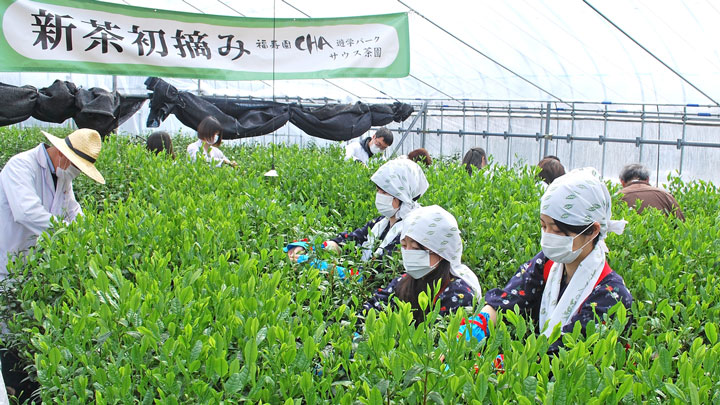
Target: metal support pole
424, 130
487, 129
682, 144
547, 129
463, 128
657, 166
642, 133
509, 140
572, 134
540, 131
442, 137
422, 112
604, 144
557, 131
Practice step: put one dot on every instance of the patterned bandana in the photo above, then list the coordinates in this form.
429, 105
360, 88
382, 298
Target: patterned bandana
578, 198
437, 230
581, 198
404, 180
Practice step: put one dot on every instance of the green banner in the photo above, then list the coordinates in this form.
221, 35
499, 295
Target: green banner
101, 38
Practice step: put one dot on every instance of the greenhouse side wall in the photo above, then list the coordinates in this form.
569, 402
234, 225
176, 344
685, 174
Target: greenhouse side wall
606, 136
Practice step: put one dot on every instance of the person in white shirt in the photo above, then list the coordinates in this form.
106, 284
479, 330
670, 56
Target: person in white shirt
363, 150
36, 185
209, 134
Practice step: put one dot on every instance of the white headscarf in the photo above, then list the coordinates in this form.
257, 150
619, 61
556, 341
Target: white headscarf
404, 180
437, 230
578, 198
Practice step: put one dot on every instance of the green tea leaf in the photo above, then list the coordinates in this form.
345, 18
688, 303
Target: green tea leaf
711, 332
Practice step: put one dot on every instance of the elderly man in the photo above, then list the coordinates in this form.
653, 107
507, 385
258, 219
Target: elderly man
635, 179
36, 185
363, 150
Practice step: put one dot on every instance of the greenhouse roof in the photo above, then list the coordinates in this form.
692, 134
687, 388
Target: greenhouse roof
557, 50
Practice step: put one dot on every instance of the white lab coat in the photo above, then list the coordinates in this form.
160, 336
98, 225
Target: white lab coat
355, 151
214, 155
28, 200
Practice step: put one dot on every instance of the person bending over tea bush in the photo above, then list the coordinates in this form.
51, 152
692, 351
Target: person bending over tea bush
160, 141
420, 155
209, 134
550, 169
570, 280
362, 151
400, 183
35, 187
474, 160
431, 252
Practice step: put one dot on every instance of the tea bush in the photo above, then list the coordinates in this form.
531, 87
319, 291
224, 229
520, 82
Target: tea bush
173, 288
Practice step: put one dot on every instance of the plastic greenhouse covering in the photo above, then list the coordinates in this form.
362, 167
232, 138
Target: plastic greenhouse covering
470, 60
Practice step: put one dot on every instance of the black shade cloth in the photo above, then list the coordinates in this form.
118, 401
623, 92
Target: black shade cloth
342, 122
104, 111
16, 103
56, 103
93, 108
241, 119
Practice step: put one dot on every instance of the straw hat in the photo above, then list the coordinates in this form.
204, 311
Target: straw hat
82, 148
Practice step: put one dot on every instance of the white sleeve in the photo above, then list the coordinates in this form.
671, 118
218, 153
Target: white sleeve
192, 150
350, 150
217, 156
25, 205
73, 208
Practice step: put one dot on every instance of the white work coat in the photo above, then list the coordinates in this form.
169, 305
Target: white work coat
356, 151
28, 200
214, 155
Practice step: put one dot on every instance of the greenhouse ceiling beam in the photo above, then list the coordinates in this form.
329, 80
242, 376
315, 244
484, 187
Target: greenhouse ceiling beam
226, 5
483, 54
188, 3
436, 89
650, 53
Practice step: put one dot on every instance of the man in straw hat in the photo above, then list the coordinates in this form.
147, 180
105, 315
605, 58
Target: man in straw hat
36, 185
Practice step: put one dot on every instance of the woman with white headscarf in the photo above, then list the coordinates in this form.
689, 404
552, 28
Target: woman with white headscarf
569, 281
431, 253
399, 182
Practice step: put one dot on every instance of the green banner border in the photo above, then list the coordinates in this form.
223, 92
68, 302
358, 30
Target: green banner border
12, 61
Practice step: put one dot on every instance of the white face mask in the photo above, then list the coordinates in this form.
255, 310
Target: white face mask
213, 141
68, 174
417, 263
384, 204
558, 248
375, 149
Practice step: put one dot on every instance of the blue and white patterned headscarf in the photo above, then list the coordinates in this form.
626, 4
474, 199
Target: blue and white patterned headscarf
437, 230
580, 198
404, 180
